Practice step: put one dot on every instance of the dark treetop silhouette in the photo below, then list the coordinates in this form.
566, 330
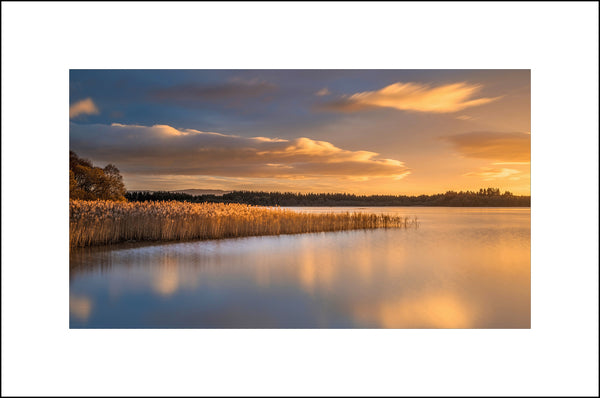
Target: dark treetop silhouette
484, 197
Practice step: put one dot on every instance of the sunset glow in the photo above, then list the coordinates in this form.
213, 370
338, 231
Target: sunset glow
397, 132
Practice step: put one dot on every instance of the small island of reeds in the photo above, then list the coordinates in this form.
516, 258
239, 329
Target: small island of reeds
99, 222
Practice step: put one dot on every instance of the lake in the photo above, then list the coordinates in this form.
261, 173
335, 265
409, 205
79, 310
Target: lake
461, 268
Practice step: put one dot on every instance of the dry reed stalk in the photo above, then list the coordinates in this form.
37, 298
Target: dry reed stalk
106, 222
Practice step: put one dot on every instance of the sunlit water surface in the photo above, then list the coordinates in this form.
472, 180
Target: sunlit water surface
462, 268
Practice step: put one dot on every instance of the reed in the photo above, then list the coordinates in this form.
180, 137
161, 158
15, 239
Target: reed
106, 222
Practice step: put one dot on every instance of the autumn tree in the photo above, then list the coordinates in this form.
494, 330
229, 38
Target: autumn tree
94, 183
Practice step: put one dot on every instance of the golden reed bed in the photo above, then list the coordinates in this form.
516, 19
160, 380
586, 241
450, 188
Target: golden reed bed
105, 222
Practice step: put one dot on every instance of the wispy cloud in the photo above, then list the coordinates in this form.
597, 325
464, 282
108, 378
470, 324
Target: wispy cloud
490, 173
502, 147
165, 150
323, 92
414, 97
83, 107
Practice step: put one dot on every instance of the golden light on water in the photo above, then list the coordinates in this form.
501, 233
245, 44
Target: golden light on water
438, 310
166, 280
462, 268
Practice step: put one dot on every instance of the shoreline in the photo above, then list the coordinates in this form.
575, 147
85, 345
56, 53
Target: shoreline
134, 244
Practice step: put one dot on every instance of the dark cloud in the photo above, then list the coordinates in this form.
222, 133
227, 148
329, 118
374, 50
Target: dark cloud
343, 105
164, 150
233, 90
506, 147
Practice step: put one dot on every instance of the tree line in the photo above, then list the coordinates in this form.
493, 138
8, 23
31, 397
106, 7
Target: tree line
488, 197
90, 182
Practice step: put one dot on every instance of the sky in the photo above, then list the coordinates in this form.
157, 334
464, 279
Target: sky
399, 132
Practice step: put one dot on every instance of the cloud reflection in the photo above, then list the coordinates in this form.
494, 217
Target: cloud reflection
80, 307
166, 280
435, 310
465, 268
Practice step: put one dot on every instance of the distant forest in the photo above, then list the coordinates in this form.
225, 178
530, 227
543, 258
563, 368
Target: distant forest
489, 197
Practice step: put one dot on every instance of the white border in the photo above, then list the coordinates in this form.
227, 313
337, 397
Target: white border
558, 41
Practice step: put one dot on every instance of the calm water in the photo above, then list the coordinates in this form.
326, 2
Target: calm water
462, 268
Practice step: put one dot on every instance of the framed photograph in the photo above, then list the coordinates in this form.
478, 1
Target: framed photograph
300, 199
320, 199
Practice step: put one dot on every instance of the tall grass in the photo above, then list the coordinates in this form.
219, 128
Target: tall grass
105, 222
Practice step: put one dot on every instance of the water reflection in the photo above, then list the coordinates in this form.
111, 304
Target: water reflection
80, 307
461, 269
433, 310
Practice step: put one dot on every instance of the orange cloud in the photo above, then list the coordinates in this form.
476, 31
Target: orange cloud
83, 107
504, 147
323, 92
414, 97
